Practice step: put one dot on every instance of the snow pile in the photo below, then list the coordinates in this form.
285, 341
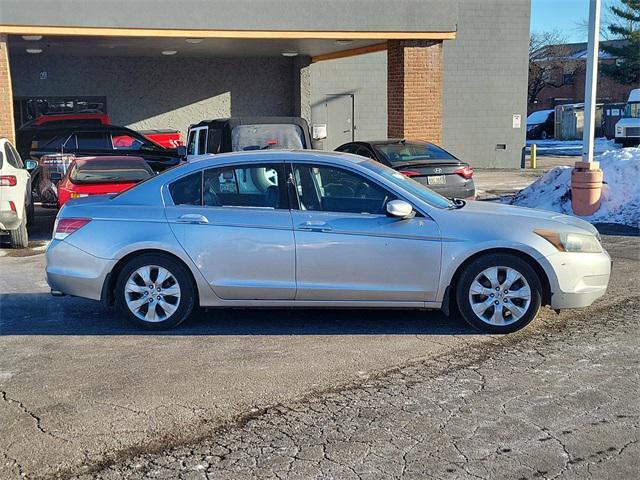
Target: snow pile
620, 194
571, 148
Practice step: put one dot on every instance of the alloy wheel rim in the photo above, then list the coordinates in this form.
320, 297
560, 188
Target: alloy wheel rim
152, 293
500, 296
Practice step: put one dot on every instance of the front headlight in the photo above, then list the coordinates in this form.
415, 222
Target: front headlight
571, 242
619, 131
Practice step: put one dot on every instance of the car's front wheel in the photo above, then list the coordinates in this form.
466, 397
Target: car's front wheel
155, 292
499, 293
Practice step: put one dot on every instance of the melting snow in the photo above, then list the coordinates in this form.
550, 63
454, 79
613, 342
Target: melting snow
620, 194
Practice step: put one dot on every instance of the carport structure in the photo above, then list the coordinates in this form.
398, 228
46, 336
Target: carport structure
158, 63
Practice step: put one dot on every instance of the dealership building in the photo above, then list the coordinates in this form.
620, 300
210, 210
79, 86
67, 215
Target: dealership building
450, 71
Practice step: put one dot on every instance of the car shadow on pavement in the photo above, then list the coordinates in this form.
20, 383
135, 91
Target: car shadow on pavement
41, 314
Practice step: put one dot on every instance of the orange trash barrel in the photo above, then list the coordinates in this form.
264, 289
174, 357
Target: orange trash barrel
586, 188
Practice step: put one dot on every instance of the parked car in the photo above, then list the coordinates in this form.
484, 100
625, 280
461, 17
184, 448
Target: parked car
247, 133
206, 234
541, 125
168, 138
425, 162
101, 175
88, 141
16, 204
628, 127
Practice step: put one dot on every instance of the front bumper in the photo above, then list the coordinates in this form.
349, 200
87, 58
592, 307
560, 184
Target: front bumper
578, 279
75, 272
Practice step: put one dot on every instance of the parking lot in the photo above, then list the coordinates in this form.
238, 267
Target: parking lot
81, 388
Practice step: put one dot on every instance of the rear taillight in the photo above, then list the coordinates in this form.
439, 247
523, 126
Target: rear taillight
66, 226
465, 172
8, 181
409, 173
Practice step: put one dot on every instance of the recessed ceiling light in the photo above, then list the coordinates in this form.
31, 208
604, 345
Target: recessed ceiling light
343, 42
169, 52
194, 40
34, 50
289, 54
32, 38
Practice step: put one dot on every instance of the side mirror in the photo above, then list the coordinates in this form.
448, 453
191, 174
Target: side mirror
400, 209
30, 165
181, 151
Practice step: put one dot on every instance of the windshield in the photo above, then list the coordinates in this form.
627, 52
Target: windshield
538, 117
404, 182
398, 153
632, 110
266, 136
110, 171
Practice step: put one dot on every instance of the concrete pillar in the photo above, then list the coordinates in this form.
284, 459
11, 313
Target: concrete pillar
7, 127
302, 87
414, 89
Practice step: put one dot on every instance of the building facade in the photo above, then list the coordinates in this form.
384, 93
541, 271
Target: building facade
454, 72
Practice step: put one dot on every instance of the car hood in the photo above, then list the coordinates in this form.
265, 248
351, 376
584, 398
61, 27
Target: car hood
534, 215
628, 122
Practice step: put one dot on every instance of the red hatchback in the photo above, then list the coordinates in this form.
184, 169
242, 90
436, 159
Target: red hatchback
101, 176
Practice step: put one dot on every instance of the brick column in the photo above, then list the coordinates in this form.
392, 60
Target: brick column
414, 89
7, 128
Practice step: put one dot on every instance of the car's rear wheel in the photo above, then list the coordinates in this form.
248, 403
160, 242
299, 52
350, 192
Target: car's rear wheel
19, 237
155, 292
499, 293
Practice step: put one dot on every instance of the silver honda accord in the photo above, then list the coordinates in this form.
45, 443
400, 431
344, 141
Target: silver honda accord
317, 229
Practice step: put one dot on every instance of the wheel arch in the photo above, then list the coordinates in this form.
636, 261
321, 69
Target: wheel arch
537, 267
108, 288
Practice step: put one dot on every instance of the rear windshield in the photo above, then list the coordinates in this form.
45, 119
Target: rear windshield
110, 171
398, 153
538, 117
266, 136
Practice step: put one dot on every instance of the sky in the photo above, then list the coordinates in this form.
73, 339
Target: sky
563, 15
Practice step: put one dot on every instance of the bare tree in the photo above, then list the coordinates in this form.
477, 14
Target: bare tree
548, 52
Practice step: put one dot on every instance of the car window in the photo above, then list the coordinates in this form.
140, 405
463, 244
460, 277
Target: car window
214, 140
348, 148
202, 141
16, 156
403, 152
191, 142
51, 141
12, 159
91, 141
363, 151
331, 189
123, 141
110, 170
266, 136
244, 186
187, 190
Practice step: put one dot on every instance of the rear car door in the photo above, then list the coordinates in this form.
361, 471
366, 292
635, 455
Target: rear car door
13, 187
235, 224
348, 249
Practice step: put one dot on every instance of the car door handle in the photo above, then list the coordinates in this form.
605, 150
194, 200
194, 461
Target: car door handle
193, 218
315, 226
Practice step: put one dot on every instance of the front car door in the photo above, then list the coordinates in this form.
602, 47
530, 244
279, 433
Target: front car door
196, 142
348, 249
235, 224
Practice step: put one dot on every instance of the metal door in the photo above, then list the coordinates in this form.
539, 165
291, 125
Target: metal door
339, 120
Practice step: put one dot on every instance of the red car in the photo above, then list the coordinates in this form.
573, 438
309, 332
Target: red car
101, 176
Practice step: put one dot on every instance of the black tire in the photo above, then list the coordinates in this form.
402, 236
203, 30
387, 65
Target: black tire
543, 135
479, 265
186, 302
19, 237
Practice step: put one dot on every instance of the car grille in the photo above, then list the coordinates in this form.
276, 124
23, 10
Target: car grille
632, 132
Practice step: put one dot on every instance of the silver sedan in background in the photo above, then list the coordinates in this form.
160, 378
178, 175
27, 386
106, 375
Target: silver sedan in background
317, 229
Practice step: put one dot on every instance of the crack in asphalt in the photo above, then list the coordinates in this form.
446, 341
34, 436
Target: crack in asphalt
37, 420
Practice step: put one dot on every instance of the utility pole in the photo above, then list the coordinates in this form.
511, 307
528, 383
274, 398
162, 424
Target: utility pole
586, 178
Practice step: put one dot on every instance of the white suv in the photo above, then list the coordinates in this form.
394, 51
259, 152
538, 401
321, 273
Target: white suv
16, 205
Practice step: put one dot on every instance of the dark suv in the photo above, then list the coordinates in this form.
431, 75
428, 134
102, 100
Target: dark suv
84, 140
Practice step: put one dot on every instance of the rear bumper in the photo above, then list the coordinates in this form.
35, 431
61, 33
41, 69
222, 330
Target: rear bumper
578, 279
462, 190
72, 271
9, 220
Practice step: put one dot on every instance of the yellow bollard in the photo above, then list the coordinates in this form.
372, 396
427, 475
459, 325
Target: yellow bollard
534, 155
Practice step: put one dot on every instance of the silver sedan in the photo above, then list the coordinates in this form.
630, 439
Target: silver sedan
317, 229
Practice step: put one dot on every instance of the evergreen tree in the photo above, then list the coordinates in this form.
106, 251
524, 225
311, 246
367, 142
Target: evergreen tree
626, 26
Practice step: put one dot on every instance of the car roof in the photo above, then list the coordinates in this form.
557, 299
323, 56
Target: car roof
279, 155
80, 127
234, 121
110, 158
